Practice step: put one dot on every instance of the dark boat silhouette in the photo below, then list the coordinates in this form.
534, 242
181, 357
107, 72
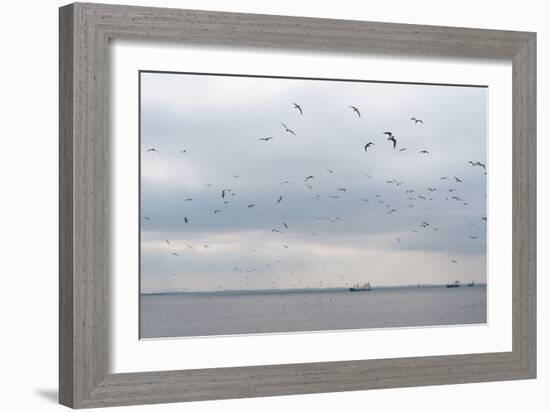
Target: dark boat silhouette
361, 288
456, 284
471, 284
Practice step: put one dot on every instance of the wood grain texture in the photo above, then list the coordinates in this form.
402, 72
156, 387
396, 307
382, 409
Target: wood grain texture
85, 31
66, 107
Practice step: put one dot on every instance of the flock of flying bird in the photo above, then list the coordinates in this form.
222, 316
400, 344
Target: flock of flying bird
227, 194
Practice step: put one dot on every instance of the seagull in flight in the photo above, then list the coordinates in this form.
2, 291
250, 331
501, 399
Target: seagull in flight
280, 199
175, 254
309, 177
183, 151
424, 152
454, 261
276, 231
285, 225
266, 139
152, 149
167, 241
297, 106
473, 237
415, 120
330, 171
286, 182
356, 110
392, 138
391, 211
288, 130
458, 180
369, 144
217, 211
146, 218
251, 205
403, 149
186, 220
444, 178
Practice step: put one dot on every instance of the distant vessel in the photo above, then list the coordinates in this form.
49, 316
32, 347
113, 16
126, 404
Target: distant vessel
471, 284
361, 288
456, 284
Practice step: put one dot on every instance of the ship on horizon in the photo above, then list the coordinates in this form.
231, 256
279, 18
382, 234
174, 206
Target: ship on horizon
360, 288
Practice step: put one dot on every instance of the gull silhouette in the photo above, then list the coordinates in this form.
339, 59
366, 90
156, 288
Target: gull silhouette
356, 110
369, 144
288, 130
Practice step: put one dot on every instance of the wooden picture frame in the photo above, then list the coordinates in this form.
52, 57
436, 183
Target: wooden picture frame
85, 31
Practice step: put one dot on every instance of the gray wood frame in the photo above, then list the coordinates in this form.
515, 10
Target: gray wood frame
85, 31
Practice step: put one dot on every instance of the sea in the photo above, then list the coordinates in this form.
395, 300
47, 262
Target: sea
188, 314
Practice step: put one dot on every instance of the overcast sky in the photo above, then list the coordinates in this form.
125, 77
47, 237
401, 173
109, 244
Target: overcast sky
333, 238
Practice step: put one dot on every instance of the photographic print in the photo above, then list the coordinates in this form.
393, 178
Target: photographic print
278, 205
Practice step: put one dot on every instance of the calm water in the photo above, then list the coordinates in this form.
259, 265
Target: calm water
237, 313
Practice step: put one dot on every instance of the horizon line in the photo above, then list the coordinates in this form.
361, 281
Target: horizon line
306, 289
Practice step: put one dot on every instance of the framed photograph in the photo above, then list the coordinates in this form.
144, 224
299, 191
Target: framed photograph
257, 205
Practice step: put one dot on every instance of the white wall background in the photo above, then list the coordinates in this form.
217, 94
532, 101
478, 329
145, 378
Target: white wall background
28, 208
